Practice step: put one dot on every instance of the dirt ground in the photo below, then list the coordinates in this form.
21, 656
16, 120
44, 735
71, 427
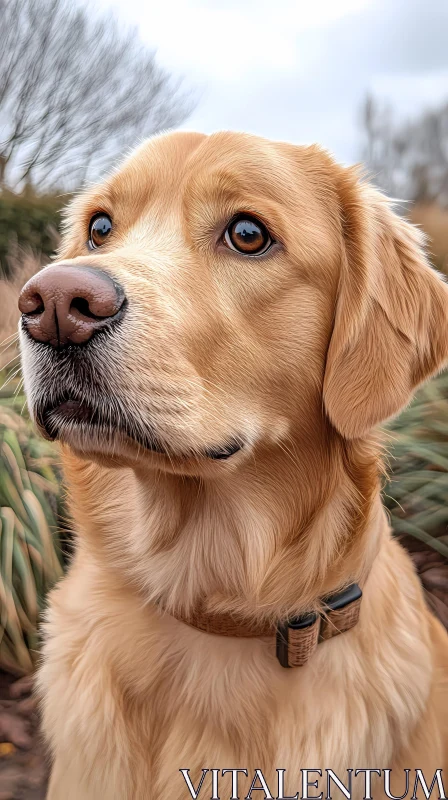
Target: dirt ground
23, 765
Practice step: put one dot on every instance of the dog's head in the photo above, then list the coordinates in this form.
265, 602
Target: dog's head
220, 294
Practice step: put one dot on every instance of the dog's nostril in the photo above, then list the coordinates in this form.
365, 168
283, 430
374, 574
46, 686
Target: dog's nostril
37, 305
81, 304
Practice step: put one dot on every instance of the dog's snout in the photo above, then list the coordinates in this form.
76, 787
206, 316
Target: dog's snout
66, 304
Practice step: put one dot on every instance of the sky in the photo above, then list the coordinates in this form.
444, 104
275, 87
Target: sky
298, 70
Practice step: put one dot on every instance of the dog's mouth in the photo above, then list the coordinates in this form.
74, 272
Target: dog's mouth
67, 417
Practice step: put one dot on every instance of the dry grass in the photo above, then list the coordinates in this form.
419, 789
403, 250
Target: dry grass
24, 264
434, 221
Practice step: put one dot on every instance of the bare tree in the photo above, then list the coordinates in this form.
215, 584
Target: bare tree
74, 91
409, 159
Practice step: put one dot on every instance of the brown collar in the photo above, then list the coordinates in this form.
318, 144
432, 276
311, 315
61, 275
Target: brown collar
297, 638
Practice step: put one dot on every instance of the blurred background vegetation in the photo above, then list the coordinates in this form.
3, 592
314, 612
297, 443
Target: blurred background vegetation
28, 222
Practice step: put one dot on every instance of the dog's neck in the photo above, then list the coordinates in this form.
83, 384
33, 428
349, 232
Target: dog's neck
267, 540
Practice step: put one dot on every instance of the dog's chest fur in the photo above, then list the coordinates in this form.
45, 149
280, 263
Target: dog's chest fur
130, 697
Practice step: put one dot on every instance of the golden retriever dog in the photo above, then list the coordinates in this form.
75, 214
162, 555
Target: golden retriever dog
228, 321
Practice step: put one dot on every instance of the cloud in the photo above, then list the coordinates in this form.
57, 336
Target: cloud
299, 69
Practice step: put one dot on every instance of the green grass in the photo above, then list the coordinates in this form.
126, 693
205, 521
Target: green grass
417, 492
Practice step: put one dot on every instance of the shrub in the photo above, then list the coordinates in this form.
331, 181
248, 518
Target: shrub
27, 221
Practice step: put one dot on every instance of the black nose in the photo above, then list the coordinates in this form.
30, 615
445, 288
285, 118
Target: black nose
65, 304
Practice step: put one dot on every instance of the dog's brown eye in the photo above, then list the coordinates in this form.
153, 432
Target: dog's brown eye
248, 236
100, 228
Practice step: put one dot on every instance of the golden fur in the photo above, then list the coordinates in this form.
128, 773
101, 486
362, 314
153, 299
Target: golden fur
301, 352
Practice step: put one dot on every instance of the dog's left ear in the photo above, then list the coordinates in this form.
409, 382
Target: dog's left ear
391, 320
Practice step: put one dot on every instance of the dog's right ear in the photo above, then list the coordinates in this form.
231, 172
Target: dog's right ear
391, 320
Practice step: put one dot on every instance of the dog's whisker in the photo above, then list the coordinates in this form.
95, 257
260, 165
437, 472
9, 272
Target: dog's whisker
10, 378
14, 358
19, 387
9, 341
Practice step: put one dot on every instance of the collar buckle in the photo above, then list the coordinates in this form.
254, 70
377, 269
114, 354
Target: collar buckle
298, 638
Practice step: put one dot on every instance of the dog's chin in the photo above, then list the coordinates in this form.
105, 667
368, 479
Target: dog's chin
117, 443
